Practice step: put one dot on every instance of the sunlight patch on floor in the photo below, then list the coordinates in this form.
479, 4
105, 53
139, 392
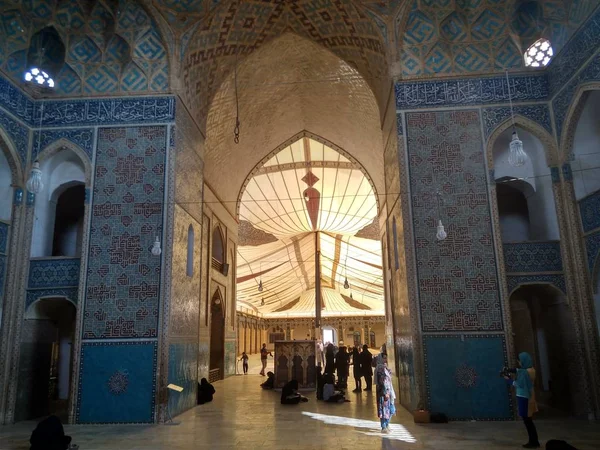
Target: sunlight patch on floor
397, 432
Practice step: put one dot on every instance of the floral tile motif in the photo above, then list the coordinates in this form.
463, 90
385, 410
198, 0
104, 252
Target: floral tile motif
534, 257
589, 208
53, 273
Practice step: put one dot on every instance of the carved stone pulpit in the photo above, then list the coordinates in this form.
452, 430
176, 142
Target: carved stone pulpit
296, 360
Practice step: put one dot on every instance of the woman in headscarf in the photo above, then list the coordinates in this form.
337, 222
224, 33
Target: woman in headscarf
385, 393
342, 365
290, 395
329, 360
205, 392
526, 404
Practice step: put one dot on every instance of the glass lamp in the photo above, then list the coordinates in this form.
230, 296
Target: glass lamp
34, 183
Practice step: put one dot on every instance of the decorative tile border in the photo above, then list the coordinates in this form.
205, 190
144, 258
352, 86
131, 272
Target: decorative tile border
577, 50
557, 280
470, 91
589, 208
35, 294
532, 257
15, 101
592, 247
492, 117
82, 137
53, 272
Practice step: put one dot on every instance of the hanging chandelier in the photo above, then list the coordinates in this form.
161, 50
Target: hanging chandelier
517, 156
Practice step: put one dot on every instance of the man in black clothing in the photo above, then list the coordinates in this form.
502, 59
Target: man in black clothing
366, 358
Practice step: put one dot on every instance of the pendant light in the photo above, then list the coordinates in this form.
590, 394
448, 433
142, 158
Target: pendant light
262, 302
517, 156
441, 232
35, 183
156, 250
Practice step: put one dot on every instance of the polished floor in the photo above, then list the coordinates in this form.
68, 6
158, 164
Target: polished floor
244, 416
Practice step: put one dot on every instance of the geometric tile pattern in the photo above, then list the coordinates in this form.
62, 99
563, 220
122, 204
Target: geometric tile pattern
53, 272
117, 382
103, 41
557, 280
493, 117
577, 50
458, 285
592, 247
82, 137
461, 376
18, 133
482, 36
525, 257
123, 277
562, 101
473, 91
589, 208
70, 293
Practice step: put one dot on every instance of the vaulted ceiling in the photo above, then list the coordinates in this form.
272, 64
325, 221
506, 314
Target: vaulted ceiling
304, 197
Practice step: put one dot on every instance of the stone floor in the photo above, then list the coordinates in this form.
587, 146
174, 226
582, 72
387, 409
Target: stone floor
244, 416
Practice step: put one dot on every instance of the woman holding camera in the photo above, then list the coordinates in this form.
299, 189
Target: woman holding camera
524, 385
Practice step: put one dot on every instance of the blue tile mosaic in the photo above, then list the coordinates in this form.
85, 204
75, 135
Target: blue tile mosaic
493, 117
589, 208
18, 133
2, 275
458, 282
472, 91
35, 294
183, 371
117, 382
562, 101
14, 101
532, 257
461, 376
82, 137
577, 50
4, 229
555, 174
399, 124
123, 277
567, 172
592, 247
557, 280
114, 111
53, 272
18, 196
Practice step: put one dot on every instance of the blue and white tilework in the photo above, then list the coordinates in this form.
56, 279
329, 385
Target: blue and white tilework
532, 257
592, 247
117, 382
461, 376
35, 294
493, 117
53, 272
82, 137
473, 91
183, 371
557, 280
123, 277
18, 133
589, 208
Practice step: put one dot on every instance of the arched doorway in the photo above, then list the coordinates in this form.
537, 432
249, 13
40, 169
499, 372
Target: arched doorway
46, 359
543, 326
217, 337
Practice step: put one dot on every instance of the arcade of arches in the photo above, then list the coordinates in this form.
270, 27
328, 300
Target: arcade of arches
203, 177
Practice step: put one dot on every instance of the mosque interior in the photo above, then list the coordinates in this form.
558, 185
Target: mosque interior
183, 181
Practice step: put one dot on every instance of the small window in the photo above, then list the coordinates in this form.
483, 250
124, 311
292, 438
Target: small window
190, 252
218, 249
539, 53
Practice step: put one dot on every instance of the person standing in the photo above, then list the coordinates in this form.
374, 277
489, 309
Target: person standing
329, 360
263, 358
244, 360
386, 396
526, 404
366, 359
342, 367
357, 370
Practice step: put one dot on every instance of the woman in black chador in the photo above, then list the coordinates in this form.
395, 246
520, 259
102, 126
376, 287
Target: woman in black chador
205, 392
329, 360
342, 365
357, 369
290, 395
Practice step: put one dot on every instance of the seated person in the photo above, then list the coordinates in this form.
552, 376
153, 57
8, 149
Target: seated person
49, 435
329, 393
289, 394
205, 392
270, 382
320, 383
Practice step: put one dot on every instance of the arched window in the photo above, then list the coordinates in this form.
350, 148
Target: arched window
396, 260
190, 252
218, 249
68, 221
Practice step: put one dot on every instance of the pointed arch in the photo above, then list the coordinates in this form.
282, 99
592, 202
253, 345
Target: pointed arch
547, 140
65, 144
218, 246
571, 120
14, 162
